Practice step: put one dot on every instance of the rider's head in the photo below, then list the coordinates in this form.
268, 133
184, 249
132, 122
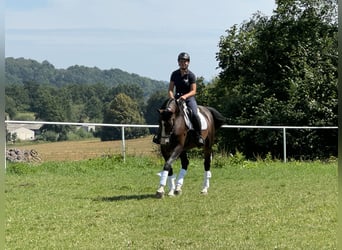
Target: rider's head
183, 60
184, 56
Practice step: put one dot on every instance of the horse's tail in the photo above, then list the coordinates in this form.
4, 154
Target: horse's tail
219, 119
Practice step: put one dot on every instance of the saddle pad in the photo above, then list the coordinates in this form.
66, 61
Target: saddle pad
204, 124
188, 123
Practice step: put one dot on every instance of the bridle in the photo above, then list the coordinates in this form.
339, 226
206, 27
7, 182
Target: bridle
168, 117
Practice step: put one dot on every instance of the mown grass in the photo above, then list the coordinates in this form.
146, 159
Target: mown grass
107, 204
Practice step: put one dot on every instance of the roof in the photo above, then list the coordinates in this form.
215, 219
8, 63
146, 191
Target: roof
13, 126
22, 130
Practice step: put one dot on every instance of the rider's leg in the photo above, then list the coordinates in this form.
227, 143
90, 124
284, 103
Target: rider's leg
196, 121
192, 104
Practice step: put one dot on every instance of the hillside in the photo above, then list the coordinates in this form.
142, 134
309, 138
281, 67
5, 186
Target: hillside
20, 70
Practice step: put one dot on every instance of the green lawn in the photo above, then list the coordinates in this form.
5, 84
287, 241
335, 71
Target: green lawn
108, 204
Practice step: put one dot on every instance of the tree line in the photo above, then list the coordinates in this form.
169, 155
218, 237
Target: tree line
97, 103
280, 70
276, 70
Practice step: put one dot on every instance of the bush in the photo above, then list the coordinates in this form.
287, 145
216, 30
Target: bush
50, 136
79, 134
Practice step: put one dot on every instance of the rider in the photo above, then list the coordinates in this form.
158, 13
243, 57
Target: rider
185, 83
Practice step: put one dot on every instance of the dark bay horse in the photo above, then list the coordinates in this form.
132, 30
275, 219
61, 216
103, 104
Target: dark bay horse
177, 138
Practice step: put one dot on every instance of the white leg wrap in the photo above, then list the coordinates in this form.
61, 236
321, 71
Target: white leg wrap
163, 177
207, 176
171, 182
180, 178
161, 190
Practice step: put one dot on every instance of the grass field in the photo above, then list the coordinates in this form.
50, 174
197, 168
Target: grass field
103, 203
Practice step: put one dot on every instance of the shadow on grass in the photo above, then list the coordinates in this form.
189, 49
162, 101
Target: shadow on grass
125, 197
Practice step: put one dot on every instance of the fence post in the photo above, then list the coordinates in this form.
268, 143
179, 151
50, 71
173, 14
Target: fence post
123, 144
284, 143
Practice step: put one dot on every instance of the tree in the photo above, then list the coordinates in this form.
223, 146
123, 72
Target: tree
19, 95
134, 91
153, 104
122, 110
51, 107
10, 107
281, 70
93, 109
202, 95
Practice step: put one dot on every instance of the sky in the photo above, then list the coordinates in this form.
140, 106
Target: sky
143, 37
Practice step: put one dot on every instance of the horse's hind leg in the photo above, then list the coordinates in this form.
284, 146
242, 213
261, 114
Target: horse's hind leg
207, 173
180, 180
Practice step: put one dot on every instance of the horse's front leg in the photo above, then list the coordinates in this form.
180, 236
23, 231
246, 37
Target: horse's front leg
167, 167
180, 179
207, 173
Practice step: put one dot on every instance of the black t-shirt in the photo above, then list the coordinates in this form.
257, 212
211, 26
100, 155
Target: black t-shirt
182, 83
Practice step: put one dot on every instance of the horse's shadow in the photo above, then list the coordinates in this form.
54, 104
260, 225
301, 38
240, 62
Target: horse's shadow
125, 197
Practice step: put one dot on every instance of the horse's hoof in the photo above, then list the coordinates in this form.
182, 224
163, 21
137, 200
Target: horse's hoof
178, 190
159, 195
204, 191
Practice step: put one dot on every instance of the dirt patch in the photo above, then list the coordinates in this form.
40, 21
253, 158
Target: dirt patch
80, 150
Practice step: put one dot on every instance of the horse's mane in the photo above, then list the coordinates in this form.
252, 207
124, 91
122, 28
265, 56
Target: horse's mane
166, 103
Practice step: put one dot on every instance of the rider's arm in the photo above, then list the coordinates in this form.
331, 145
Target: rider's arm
171, 88
192, 92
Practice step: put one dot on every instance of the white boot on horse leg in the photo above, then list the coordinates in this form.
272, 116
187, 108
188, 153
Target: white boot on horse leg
180, 181
163, 178
207, 176
171, 182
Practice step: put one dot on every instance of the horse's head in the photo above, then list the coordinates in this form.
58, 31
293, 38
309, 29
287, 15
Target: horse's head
168, 110
167, 116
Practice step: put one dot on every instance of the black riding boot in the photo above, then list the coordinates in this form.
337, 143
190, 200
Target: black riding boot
197, 127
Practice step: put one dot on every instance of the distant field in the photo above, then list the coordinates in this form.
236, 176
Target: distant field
88, 149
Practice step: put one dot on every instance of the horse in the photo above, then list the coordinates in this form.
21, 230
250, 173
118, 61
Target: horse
177, 137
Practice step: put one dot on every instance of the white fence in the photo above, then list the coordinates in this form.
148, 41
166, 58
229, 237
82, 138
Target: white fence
123, 126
